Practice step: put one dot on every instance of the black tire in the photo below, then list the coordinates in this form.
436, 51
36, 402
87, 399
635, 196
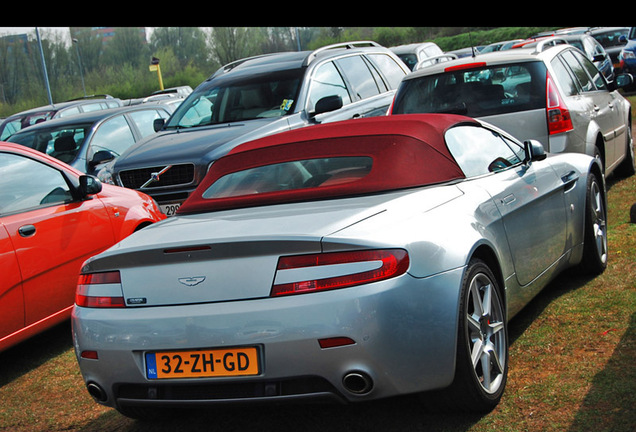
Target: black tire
595, 252
483, 330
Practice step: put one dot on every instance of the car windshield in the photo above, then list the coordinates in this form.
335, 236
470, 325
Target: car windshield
476, 92
62, 143
261, 96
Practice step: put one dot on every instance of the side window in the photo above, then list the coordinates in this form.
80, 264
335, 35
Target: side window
593, 72
480, 151
92, 107
114, 135
144, 120
69, 112
391, 70
26, 184
327, 82
10, 128
579, 72
564, 78
358, 74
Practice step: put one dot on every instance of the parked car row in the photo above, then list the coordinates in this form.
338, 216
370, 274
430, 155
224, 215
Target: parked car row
321, 172
345, 280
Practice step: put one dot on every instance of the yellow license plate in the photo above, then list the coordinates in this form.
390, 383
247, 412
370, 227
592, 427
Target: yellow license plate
202, 363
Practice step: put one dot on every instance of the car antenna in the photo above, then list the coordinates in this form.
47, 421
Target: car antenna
472, 46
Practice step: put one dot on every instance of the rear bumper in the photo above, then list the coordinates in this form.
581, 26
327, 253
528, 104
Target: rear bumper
404, 331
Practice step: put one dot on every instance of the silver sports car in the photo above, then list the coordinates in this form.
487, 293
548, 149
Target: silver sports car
348, 262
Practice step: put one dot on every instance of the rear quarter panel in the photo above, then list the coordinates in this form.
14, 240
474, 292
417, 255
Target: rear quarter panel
128, 210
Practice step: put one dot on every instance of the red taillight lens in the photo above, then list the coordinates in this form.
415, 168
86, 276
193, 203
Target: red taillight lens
99, 290
559, 119
465, 66
317, 272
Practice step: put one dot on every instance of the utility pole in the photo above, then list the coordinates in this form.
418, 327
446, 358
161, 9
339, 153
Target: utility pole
46, 74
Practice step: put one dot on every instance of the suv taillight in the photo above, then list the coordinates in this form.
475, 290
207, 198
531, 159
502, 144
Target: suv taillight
317, 272
99, 290
558, 115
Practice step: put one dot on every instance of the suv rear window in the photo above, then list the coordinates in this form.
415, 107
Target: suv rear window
476, 92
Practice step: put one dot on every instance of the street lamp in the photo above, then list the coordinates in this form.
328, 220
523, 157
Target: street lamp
79, 59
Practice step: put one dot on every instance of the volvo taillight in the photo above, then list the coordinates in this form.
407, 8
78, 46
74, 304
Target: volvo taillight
99, 290
325, 271
558, 115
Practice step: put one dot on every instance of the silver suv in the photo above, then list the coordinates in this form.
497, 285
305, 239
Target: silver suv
252, 98
552, 94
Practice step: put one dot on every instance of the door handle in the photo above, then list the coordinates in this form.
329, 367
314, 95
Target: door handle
508, 199
26, 230
569, 179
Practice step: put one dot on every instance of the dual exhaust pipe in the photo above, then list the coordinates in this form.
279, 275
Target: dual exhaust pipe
356, 382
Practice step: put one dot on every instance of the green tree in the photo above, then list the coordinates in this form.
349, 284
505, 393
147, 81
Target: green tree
188, 44
233, 43
128, 46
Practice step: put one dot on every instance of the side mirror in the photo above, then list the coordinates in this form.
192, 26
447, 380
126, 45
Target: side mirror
534, 151
327, 104
624, 80
157, 125
89, 185
101, 157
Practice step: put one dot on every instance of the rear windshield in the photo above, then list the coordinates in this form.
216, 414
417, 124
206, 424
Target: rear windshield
478, 92
290, 175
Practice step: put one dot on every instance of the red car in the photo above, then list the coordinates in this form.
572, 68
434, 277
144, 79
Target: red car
52, 218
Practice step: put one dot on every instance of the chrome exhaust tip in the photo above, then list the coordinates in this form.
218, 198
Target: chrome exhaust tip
96, 392
357, 382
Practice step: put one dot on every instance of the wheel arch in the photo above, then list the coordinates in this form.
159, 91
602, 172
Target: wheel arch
487, 255
599, 143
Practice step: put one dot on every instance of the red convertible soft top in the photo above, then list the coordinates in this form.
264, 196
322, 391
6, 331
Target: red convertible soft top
405, 151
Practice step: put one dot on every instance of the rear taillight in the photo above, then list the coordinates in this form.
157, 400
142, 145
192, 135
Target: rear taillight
318, 272
558, 115
99, 290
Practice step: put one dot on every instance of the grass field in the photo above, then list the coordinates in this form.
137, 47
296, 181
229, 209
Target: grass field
572, 369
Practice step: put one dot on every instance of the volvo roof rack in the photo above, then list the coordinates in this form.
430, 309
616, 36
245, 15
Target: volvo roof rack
346, 45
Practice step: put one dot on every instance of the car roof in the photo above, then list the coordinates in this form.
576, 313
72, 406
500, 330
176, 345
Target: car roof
295, 59
60, 105
514, 55
87, 117
398, 145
